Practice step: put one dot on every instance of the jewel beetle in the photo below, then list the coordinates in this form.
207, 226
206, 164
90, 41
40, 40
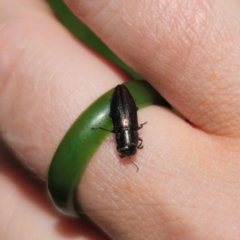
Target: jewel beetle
123, 112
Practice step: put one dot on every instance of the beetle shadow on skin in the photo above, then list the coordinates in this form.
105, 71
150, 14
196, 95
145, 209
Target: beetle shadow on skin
131, 161
35, 191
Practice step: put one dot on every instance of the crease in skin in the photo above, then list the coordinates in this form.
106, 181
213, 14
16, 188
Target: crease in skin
9, 61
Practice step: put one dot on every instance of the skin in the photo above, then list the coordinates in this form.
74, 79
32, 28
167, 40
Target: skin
188, 185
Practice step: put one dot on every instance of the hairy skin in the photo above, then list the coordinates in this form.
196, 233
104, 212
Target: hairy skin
188, 185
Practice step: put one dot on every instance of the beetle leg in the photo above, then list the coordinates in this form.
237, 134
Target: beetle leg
141, 125
136, 106
94, 128
140, 145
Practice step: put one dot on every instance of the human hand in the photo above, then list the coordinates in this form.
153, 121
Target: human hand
188, 185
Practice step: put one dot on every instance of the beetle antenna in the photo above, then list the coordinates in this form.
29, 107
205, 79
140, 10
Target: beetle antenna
134, 164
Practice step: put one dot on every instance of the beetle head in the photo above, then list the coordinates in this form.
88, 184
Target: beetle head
127, 150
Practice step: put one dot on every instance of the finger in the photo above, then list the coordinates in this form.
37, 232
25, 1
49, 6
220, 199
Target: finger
187, 186
47, 79
186, 49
